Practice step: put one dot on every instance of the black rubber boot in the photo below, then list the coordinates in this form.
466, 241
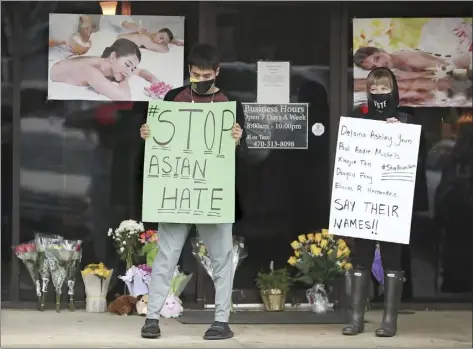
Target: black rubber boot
359, 295
393, 281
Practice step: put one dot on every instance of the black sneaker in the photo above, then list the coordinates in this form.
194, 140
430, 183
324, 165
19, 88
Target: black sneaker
218, 330
151, 329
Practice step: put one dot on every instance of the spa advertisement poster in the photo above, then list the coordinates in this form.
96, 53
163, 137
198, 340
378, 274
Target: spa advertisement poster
431, 58
114, 58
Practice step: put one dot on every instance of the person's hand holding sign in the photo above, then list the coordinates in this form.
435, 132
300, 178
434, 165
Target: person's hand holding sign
237, 133
392, 120
145, 131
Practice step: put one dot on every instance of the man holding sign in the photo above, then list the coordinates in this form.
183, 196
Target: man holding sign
190, 179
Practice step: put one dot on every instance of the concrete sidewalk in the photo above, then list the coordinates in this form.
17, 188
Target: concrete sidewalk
21, 329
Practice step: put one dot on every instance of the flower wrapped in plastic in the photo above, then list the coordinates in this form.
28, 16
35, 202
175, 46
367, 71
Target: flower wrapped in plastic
319, 258
29, 256
72, 275
96, 279
59, 256
137, 280
41, 241
239, 253
125, 239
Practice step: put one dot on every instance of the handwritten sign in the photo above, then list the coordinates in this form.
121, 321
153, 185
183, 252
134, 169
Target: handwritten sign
276, 126
374, 180
189, 165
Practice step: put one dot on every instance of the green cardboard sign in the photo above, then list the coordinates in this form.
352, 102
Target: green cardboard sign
189, 165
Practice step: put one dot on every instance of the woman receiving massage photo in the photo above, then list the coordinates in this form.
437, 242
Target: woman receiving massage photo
108, 74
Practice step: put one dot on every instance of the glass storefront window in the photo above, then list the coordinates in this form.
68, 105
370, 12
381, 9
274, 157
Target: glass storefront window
79, 163
285, 192
436, 261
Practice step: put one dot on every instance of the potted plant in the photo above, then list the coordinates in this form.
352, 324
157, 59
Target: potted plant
273, 287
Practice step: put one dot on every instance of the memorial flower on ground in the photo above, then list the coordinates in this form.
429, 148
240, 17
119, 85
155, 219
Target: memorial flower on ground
201, 253
29, 256
150, 248
319, 257
125, 239
96, 279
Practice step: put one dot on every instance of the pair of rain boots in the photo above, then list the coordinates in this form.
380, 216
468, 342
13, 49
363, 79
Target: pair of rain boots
393, 282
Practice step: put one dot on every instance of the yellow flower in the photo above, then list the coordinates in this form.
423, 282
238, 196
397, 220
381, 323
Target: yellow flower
346, 252
348, 266
325, 233
315, 250
330, 251
342, 263
106, 273
292, 260
323, 243
297, 253
295, 244
318, 237
87, 271
310, 236
339, 253
341, 244
302, 238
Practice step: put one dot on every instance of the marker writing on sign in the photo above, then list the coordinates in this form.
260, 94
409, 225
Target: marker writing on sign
210, 134
373, 208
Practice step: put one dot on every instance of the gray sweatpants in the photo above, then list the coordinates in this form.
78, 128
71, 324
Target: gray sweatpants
218, 240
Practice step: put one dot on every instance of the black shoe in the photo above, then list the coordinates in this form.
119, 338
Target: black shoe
218, 330
151, 329
359, 295
393, 281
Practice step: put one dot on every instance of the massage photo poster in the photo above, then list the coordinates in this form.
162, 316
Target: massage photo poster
431, 58
114, 58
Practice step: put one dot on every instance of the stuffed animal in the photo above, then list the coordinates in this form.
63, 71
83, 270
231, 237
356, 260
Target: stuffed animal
122, 305
142, 305
172, 307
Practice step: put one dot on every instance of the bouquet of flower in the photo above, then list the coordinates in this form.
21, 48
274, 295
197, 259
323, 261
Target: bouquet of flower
200, 252
319, 258
59, 254
179, 282
125, 240
41, 241
28, 255
72, 274
158, 90
96, 281
150, 248
137, 279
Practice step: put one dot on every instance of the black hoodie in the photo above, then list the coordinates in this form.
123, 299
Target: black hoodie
421, 202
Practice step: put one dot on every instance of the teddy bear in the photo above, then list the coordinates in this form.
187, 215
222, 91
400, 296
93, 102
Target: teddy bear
142, 305
122, 305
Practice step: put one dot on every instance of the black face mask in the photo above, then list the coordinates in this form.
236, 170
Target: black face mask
382, 104
202, 87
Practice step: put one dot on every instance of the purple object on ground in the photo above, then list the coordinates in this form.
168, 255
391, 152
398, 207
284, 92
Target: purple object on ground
377, 267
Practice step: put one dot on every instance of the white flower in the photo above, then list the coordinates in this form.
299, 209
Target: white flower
110, 232
124, 243
122, 249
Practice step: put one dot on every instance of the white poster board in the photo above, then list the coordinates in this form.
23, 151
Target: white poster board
374, 180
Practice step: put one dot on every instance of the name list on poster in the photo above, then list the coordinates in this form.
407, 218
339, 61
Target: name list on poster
276, 126
374, 180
